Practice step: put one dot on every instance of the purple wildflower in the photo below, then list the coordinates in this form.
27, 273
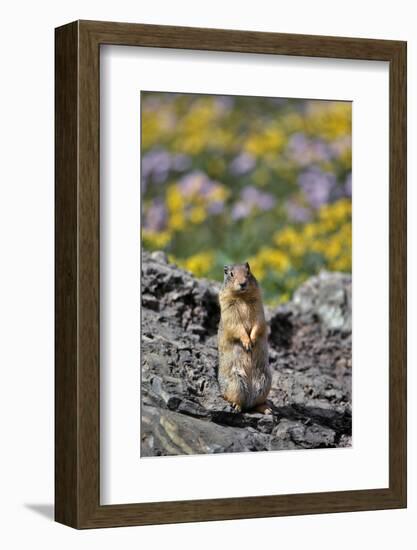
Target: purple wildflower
196, 183
341, 146
156, 216
317, 186
224, 103
256, 198
157, 163
242, 164
278, 101
304, 151
297, 213
251, 198
240, 210
215, 207
180, 162
348, 185
151, 103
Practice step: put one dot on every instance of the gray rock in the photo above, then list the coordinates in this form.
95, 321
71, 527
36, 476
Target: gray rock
328, 297
310, 358
170, 433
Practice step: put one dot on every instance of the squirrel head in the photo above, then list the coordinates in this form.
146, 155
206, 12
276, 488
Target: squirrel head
239, 279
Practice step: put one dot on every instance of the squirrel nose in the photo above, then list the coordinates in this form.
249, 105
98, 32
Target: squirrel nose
243, 285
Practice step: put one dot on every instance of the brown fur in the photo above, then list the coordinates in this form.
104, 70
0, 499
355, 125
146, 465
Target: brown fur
244, 374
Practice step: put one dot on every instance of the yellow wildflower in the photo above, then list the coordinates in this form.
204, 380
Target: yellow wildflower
155, 239
292, 122
174, 200
257, 267
199, 264
198, 214
270, 140
271, 258
278, 259
289, 239
332, 249
218, 193
310, 230
176, 221
337, 212
329, 120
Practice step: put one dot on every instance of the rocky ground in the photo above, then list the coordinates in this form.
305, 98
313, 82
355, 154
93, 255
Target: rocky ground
310, 357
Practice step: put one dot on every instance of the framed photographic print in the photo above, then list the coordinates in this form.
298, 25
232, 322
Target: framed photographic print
230, 274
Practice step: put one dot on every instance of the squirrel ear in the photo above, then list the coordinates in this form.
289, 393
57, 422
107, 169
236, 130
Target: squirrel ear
226, 269
248, 266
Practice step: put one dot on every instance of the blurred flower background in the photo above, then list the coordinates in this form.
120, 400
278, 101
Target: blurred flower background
227, 179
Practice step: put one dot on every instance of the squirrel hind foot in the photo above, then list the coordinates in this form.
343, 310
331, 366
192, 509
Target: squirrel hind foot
264, 408
237, 408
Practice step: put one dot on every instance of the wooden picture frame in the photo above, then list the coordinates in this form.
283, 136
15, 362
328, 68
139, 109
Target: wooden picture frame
77, 374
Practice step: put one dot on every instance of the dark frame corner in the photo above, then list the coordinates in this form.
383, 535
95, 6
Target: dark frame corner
77, 473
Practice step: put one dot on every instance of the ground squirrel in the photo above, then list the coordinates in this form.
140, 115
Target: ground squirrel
244, 373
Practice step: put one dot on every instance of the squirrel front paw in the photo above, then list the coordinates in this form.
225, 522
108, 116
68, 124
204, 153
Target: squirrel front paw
246, 343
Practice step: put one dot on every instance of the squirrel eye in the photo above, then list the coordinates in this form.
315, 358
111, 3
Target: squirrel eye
231, 273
